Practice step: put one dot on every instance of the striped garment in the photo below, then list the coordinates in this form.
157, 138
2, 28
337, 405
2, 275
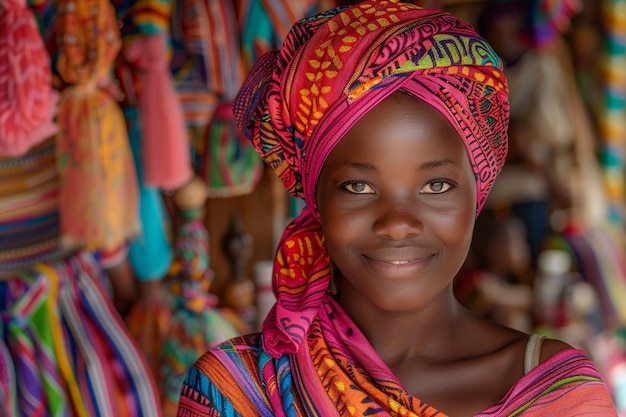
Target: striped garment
239, 378
64, 349
29, 212
208, 68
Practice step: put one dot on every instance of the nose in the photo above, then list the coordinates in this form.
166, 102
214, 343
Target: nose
399, 219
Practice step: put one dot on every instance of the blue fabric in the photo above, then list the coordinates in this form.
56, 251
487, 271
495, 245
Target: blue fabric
151, 253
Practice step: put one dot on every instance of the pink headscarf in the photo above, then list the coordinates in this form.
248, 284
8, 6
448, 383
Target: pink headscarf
299, 101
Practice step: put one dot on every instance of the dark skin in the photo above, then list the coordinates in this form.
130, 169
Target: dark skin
397, 200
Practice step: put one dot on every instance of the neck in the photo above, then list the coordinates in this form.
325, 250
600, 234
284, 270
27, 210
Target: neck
397, 335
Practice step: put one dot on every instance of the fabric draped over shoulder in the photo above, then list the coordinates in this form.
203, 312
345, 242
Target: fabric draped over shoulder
299, 101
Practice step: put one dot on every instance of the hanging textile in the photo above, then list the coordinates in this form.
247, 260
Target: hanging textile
208, 69
69, 352
197, 324
264, 23
165, 156
611, 113
29, 213
98, 194
27, 100
150, 252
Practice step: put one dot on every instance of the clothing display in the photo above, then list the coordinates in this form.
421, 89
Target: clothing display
108, 108
207, 67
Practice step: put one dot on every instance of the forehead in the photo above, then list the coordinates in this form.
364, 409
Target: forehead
401, 123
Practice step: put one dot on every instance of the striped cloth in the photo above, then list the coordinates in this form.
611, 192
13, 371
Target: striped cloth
208, 69
29, 213
68, 348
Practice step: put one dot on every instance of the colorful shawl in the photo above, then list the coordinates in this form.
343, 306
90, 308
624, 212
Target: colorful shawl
333, 377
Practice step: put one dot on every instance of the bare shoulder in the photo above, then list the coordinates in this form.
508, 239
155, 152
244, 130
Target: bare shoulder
551, 347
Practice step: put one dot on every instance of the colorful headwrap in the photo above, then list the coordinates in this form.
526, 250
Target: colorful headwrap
299, 101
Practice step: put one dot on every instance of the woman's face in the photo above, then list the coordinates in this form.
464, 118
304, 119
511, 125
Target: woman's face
397, 200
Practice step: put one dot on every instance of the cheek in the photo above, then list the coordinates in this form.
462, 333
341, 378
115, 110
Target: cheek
339, 227
456, 228
458, 231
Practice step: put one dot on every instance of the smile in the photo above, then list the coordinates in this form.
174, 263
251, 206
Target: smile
401, 262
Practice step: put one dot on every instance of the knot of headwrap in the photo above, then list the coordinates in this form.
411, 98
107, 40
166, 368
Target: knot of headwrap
298, 102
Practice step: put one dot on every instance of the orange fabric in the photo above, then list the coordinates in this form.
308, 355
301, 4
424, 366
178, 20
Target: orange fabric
98, 191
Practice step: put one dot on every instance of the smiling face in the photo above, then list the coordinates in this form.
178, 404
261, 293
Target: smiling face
397, 202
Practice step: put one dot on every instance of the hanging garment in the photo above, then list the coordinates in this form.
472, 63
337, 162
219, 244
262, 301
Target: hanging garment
165, 154
29, 212
150, 252
98, 192
69, 350
27, 100
208, 69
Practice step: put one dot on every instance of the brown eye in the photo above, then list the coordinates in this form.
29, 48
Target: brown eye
436, 187
358, 188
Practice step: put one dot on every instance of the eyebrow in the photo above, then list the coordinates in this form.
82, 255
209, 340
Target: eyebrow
372, 167
359, 165
437, 163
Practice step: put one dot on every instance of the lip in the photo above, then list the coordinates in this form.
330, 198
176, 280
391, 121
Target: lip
398, 264
401, 262
398, 255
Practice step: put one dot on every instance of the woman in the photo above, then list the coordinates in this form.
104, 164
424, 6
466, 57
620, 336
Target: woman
390, 122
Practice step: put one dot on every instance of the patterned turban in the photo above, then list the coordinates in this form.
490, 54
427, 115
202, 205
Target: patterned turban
299, 101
